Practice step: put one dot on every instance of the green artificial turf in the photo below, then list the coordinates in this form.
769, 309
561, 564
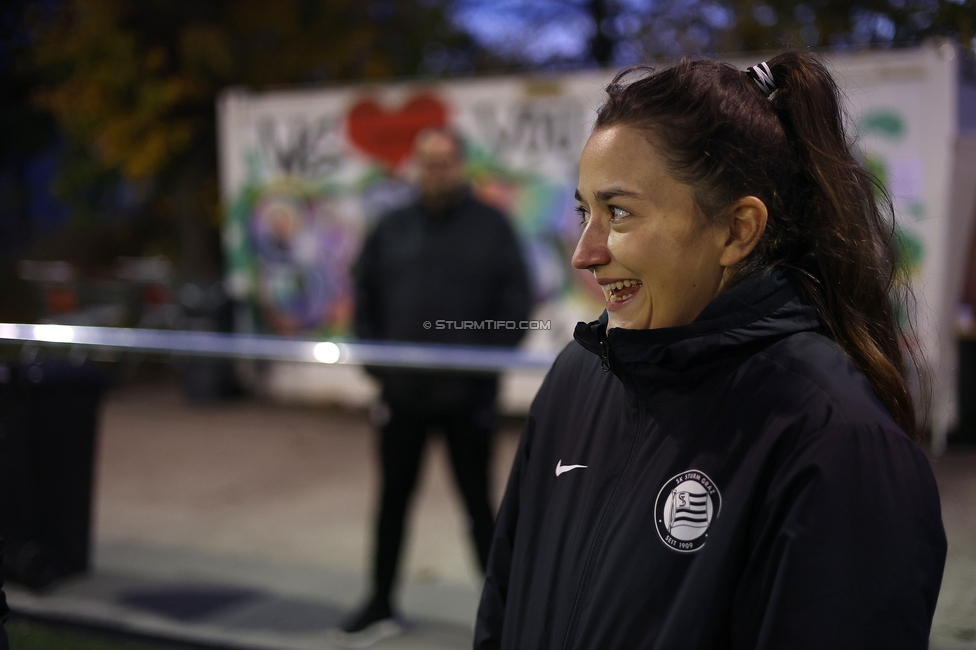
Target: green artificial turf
30, 635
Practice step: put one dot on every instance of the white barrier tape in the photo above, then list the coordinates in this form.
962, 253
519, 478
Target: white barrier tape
276, 348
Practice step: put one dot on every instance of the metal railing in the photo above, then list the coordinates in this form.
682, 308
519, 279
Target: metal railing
278, 348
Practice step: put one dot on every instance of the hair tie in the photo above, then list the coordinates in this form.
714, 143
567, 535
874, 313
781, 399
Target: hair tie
762, 75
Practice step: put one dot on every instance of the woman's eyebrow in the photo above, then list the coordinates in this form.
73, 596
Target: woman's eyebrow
612, 193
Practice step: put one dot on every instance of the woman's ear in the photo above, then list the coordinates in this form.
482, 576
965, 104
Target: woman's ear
746, 221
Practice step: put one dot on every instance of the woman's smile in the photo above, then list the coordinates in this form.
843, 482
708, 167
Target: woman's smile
619, 292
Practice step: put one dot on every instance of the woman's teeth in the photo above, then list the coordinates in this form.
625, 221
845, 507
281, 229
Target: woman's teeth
615, 290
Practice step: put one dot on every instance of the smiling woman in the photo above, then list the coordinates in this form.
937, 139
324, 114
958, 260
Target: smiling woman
658, 259
737, 421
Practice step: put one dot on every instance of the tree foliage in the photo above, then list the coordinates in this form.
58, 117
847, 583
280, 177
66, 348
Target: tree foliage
623, 32
133, 86
844, 25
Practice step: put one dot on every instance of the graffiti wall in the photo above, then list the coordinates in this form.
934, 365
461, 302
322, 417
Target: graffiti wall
306, 174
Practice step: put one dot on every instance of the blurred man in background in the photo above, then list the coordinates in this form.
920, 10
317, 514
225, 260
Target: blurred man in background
444, 259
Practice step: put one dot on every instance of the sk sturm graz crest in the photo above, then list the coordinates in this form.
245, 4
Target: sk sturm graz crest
685, 508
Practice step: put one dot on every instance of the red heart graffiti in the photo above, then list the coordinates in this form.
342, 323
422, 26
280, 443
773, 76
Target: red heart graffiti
389, 136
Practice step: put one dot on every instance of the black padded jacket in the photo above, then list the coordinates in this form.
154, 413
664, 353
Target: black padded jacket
4, 610
457, 277
733, 483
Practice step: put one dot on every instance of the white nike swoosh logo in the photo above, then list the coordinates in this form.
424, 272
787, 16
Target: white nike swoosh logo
562, 469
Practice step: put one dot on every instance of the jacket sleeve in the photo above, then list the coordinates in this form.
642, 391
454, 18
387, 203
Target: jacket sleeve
491, 612
367, 319
368, 315
4, 610
513, 295
848, 550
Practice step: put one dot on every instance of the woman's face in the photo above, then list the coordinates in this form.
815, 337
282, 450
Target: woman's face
655, 256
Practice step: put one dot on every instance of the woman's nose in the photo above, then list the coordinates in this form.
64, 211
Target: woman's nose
591, 250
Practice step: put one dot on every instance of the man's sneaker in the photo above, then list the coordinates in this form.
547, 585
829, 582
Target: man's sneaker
370, 625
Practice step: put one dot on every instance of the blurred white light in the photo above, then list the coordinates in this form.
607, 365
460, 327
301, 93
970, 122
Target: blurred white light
54, 333
326, 352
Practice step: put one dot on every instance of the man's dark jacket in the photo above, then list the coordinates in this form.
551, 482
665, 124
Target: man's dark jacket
4, 610
738, 485
439, 278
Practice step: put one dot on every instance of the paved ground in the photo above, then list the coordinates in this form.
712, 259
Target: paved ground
955, 616
246, 523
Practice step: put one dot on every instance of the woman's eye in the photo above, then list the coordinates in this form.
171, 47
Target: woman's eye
616, 214
583, 213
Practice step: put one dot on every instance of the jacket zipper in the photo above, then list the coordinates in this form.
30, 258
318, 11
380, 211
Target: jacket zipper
597, 544
605, 356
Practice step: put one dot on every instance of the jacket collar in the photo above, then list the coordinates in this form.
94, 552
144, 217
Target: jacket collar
452, 206
758, 311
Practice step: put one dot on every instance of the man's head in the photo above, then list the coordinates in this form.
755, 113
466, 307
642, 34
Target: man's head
440, 165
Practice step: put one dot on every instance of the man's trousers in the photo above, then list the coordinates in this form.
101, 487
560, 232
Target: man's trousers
401, 444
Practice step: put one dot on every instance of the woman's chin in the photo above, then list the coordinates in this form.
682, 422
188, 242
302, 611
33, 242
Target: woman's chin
629, 314
626, 321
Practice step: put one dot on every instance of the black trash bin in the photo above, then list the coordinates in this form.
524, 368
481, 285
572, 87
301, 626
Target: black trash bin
48, 423
206, 308
966, 426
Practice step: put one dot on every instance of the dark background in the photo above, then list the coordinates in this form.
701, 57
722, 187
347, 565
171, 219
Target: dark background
108, 144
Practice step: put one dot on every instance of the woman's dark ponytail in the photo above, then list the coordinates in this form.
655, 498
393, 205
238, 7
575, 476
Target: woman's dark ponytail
849, 267
830, 221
